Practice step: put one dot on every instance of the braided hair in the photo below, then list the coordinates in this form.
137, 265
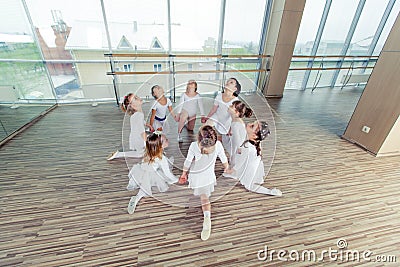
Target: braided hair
125, 105
243, 110
207, 137
260, 136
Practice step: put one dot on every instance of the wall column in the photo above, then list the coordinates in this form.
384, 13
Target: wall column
378, 107
281, 38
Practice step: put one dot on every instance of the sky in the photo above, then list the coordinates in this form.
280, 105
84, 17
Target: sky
242, 20
201, 16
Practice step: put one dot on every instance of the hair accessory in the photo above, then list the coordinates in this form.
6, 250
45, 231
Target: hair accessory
207, 142
264, 130
157, 132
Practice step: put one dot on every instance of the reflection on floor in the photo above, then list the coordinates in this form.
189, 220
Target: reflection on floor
63, 204
14, 118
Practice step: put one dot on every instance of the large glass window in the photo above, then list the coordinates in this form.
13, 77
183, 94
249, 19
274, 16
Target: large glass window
66, 26
195, 26
366, 27
309, 26
13, 19
243, 24
68, 33
337, 26
23, 76
388, 26
364, 33
305, 39
138, 26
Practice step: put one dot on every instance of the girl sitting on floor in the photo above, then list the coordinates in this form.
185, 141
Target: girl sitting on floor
249, 167
153, 172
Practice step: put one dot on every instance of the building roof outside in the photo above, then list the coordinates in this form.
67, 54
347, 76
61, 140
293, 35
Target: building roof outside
90, 35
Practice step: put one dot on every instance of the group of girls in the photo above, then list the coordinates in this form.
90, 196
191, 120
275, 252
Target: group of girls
224, 122
186, 116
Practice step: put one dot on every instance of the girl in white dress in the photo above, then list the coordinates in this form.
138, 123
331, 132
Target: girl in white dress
159, 109
219, 116
153, 172
202, 176
249, 167
132, 104
187, 108
238, 134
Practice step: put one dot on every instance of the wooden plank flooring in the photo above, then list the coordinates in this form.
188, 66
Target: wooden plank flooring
63, 204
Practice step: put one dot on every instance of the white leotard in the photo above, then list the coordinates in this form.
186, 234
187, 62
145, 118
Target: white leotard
239, 134
249, 170
161, 110
190, 104
222, 119
137, 123
249, 167
201, 175
161, 113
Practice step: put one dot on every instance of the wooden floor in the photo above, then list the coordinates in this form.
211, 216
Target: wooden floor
63, 204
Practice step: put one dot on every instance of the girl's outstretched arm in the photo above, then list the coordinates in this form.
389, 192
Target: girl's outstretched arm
152, 117
150, 127
172, 113
187, 163
212, 111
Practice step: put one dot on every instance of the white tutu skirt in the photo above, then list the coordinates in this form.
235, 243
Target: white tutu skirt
204, 190
222, 125
202, 184
146, 177
249, 169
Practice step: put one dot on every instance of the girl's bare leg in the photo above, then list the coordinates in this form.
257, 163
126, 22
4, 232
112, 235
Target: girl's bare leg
191, 123
182, 120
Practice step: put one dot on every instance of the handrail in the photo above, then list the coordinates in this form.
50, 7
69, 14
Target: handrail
333, 56
184, 56
348, 75
171, 57
182, 72
17, 60
342, 68
318, 76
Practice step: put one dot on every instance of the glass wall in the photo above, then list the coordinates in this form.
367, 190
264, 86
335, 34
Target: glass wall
337, 25
388, 26
362, 40
366, 27
25, 89
195, 26
68, 34
312, 15
241, 15
69, 43
331, 63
